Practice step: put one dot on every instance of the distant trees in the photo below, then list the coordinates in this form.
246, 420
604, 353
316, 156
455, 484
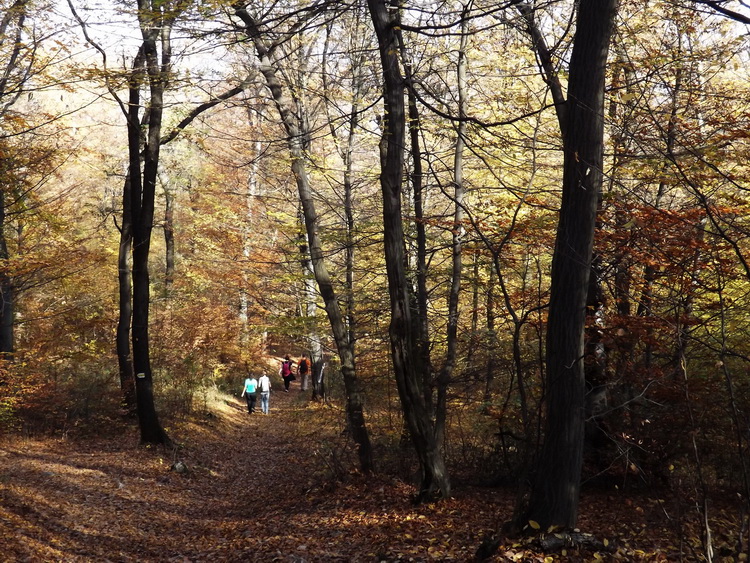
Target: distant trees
26, 157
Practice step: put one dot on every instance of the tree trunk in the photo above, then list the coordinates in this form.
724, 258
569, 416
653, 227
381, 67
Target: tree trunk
6, 291
446, 373
124, 359
473, 340
420, 297
14, 17
556, 485
405, 350
169, 249
296, 140
491, 346
155, 26
310, 313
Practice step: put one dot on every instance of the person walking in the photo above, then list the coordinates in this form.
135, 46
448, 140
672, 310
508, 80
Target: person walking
249, 392
264, 386
303, 368
286, 373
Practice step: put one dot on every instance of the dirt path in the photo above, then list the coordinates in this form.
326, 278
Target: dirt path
257, 489
252, 493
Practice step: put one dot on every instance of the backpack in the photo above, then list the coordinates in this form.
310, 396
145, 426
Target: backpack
303, 365
286, 368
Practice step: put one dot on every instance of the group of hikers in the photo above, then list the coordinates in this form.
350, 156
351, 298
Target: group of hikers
288, 372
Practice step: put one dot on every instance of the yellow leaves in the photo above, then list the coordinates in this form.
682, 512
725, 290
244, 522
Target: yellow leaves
534, 524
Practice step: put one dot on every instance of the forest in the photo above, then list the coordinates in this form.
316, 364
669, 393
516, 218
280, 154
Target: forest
512, 237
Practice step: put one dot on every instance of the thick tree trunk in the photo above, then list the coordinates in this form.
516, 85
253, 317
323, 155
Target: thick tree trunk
124, 258
420, 317
556, 486
405, 350
352, 384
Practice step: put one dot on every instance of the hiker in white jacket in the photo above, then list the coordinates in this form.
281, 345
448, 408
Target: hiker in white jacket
264, 387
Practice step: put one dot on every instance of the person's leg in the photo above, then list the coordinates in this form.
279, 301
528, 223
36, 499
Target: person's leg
286, 383
248, 401
251, 402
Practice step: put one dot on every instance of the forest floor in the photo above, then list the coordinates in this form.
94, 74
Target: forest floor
256, 489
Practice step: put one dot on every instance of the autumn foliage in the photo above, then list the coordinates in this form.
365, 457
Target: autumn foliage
232, 290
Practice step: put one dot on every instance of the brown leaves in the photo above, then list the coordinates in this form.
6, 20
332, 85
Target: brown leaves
254, 492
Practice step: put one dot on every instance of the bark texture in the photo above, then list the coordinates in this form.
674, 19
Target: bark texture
556, 485
405, 347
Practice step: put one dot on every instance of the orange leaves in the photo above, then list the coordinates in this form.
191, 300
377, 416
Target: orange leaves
254, 493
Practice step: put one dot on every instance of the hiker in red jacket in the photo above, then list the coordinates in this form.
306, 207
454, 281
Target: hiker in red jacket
286, 372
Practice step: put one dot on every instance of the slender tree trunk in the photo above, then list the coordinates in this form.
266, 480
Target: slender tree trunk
489, 375
124, 359
251, 201
446, 373
405, 349
169, 248
296, 141
556, 486
473, 340
310, 299
6, 291
352, 384
309, 309
349, 205
650, 272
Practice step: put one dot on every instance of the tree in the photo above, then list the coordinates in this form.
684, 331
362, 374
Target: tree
21, 64
406, 350
556, 484
297, 132
151, 71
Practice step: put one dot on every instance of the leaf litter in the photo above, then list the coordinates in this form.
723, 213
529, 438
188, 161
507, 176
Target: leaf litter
251, 489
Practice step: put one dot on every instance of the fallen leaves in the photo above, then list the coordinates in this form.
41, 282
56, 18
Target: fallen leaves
253, 492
